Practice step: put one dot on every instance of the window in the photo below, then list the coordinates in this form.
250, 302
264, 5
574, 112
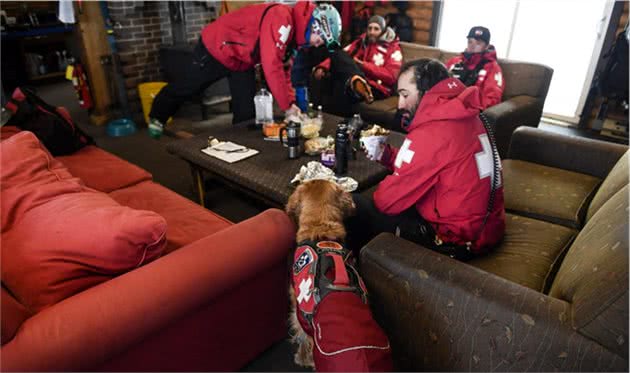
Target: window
566, 36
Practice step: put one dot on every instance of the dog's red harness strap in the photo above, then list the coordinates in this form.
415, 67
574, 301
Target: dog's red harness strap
341, 275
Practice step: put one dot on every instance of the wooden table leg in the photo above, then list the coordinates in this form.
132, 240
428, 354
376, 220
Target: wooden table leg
197, 175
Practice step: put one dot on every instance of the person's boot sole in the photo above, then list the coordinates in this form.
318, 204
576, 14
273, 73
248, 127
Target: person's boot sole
362, 88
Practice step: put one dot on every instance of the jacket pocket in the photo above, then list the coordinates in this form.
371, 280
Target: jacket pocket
238, 52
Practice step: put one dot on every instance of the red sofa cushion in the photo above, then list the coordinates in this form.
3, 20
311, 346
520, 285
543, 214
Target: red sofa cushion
63, 237
102, 170
187, 221
8, 131
13, 315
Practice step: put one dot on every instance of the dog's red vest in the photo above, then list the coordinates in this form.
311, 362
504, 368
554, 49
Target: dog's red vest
332, 307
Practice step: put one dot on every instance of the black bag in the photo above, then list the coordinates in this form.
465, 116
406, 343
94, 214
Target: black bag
52, 125
613, 80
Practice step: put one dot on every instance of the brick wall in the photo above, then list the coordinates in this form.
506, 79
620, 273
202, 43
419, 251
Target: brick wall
141, 27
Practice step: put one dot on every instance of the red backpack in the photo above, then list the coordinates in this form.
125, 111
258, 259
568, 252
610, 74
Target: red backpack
52, 125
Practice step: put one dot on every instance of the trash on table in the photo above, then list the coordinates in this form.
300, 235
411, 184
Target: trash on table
316, 171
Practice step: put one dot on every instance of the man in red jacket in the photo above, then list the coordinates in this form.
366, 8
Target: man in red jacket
233, 44
478, 66
366, 69
445, 189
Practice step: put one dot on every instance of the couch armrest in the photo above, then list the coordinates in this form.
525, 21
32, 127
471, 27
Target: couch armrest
573, 153
91, 327
444, 315
510, 114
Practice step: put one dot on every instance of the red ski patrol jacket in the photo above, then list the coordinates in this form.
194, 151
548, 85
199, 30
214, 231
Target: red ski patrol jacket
381, 60
445, 168
243, 38
489, 76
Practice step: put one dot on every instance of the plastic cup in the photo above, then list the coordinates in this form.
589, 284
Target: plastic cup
374, 146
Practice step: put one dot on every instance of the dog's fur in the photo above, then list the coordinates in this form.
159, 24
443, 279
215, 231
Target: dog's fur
318, 208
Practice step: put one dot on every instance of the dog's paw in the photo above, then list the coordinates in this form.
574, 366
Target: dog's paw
306, 362
304, 355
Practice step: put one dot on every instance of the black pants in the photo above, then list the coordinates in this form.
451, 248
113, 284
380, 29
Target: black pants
342, 68
368, 222
203, 70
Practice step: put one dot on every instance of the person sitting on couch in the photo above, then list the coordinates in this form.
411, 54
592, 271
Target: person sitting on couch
366, 69
442, 192
478, 66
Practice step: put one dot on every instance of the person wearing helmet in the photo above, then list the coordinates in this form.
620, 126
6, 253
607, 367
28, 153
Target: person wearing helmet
368, 66
232, 45
478, 66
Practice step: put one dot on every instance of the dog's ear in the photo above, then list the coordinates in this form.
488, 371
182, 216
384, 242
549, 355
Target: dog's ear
294, 205
347, 204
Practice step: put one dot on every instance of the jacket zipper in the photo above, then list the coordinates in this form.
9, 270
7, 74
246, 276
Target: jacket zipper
233, 43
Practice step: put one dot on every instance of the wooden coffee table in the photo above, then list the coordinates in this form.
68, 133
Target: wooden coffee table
266, 176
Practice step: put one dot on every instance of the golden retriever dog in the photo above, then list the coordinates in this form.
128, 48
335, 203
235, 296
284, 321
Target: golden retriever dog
318, 208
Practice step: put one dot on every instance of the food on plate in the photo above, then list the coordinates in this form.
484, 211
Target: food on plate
318, 144
311, 128
375, 130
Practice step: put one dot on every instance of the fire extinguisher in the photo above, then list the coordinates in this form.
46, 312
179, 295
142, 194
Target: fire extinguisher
80, 84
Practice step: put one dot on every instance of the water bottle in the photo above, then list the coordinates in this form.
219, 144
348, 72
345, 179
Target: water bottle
263, 102
341, 149
355, 124
354, 129
301, 98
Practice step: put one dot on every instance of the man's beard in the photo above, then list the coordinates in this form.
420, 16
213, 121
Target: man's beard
406, 116
372, 39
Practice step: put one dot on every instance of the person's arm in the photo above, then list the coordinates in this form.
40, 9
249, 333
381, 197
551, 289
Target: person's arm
493, 86
388, 72
416, 170
451, 62
388, 157
276, 33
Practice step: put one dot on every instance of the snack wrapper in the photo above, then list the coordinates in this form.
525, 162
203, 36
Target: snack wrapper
373, 140
316, 171
374, 146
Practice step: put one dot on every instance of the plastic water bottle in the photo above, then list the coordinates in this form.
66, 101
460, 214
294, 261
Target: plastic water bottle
263, 102
355, 124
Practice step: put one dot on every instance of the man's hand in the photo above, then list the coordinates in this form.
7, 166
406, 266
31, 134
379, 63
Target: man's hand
293, 110
319, 73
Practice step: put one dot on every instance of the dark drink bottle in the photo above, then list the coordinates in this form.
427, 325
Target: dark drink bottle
341, 149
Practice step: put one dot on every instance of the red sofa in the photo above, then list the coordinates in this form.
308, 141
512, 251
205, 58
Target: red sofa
212, 299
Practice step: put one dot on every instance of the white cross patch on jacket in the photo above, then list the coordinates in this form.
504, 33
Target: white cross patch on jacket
284, 32
396, 56
378, 59
404, 154
499, 78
